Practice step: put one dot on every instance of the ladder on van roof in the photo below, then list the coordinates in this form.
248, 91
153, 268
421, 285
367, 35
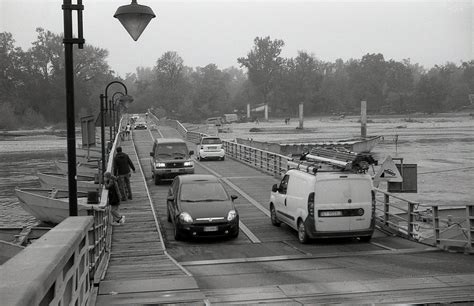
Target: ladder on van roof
342, 160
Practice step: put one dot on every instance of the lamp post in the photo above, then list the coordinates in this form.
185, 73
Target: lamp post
113, 114
134, 18
103, 101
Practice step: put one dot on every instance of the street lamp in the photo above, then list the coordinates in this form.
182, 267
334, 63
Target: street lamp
103, 101
113, 127
133, 20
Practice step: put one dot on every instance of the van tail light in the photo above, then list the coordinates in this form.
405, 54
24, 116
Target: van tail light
311, 204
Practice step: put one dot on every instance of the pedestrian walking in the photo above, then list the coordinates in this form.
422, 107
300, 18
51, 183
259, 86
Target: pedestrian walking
122, 165
127, 131
111, 185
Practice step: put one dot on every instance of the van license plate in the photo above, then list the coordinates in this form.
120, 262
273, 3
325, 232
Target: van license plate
210, 228
330, 213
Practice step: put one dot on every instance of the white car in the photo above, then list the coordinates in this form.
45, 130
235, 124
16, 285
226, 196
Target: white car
210, 147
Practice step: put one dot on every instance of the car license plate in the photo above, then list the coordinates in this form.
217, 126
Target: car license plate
210, 228
331, 213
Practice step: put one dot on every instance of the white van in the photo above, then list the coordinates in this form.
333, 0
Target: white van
325, 204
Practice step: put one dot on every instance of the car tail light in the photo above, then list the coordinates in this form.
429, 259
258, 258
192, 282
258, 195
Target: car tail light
311, 204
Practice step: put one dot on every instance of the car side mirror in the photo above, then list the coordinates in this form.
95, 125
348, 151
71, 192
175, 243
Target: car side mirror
191, 152
274, 188
233, 197
152, 154
170, 198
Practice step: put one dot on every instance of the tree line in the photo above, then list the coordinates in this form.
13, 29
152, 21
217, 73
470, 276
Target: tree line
32, 85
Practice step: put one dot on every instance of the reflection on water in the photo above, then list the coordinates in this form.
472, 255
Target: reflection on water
19, 169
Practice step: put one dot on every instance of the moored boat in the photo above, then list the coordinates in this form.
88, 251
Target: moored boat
81, 169
50, 205
60, 181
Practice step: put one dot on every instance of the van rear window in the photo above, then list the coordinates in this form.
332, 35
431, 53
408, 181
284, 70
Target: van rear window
339, 191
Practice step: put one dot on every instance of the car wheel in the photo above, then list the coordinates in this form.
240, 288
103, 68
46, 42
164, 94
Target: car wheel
168, 214
302, 235
273, 216
235, 235
223, 158
157, 180
177, 234
365, 238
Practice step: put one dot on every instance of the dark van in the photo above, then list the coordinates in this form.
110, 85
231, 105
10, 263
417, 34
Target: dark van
170, 157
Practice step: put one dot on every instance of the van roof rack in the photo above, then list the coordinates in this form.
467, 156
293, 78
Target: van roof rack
341, 159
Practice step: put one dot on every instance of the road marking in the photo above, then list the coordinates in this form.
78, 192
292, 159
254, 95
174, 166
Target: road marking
304, 256
249, 234
382, 246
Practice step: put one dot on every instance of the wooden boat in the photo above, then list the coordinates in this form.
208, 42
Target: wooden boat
81, 169
84, 159
15, 239
60, 181
50, 205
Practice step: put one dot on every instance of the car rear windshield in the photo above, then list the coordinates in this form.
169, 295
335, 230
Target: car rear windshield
171, 149
211, 141
203, 191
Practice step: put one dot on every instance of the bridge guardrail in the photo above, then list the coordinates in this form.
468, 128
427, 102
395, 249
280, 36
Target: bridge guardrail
401, 216
54, 270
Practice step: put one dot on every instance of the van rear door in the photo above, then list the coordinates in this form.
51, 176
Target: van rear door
362, 200
333, 205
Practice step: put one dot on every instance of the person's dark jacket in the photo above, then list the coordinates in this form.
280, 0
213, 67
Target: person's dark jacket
122, 164
114, 193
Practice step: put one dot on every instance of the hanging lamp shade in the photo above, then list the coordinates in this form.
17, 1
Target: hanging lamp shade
134, 18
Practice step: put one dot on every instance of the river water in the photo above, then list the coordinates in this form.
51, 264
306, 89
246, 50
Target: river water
20, 159
441, 146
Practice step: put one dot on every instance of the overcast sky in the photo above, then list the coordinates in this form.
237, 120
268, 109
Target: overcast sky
204, 32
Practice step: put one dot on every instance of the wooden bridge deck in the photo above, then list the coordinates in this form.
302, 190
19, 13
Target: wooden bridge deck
139, 270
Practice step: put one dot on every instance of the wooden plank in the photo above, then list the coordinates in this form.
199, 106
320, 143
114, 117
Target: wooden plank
183, 297
151, 284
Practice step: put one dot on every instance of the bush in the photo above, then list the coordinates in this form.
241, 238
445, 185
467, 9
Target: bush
8, 120
32, 119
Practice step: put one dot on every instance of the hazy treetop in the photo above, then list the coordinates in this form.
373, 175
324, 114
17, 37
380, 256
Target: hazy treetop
203, 32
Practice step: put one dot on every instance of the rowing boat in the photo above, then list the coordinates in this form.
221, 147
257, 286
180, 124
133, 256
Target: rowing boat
61, 181
51, 205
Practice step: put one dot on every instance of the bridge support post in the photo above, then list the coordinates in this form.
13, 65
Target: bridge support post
300, 112
363, 119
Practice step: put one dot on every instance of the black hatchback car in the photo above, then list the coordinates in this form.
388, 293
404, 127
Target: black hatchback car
199, 206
